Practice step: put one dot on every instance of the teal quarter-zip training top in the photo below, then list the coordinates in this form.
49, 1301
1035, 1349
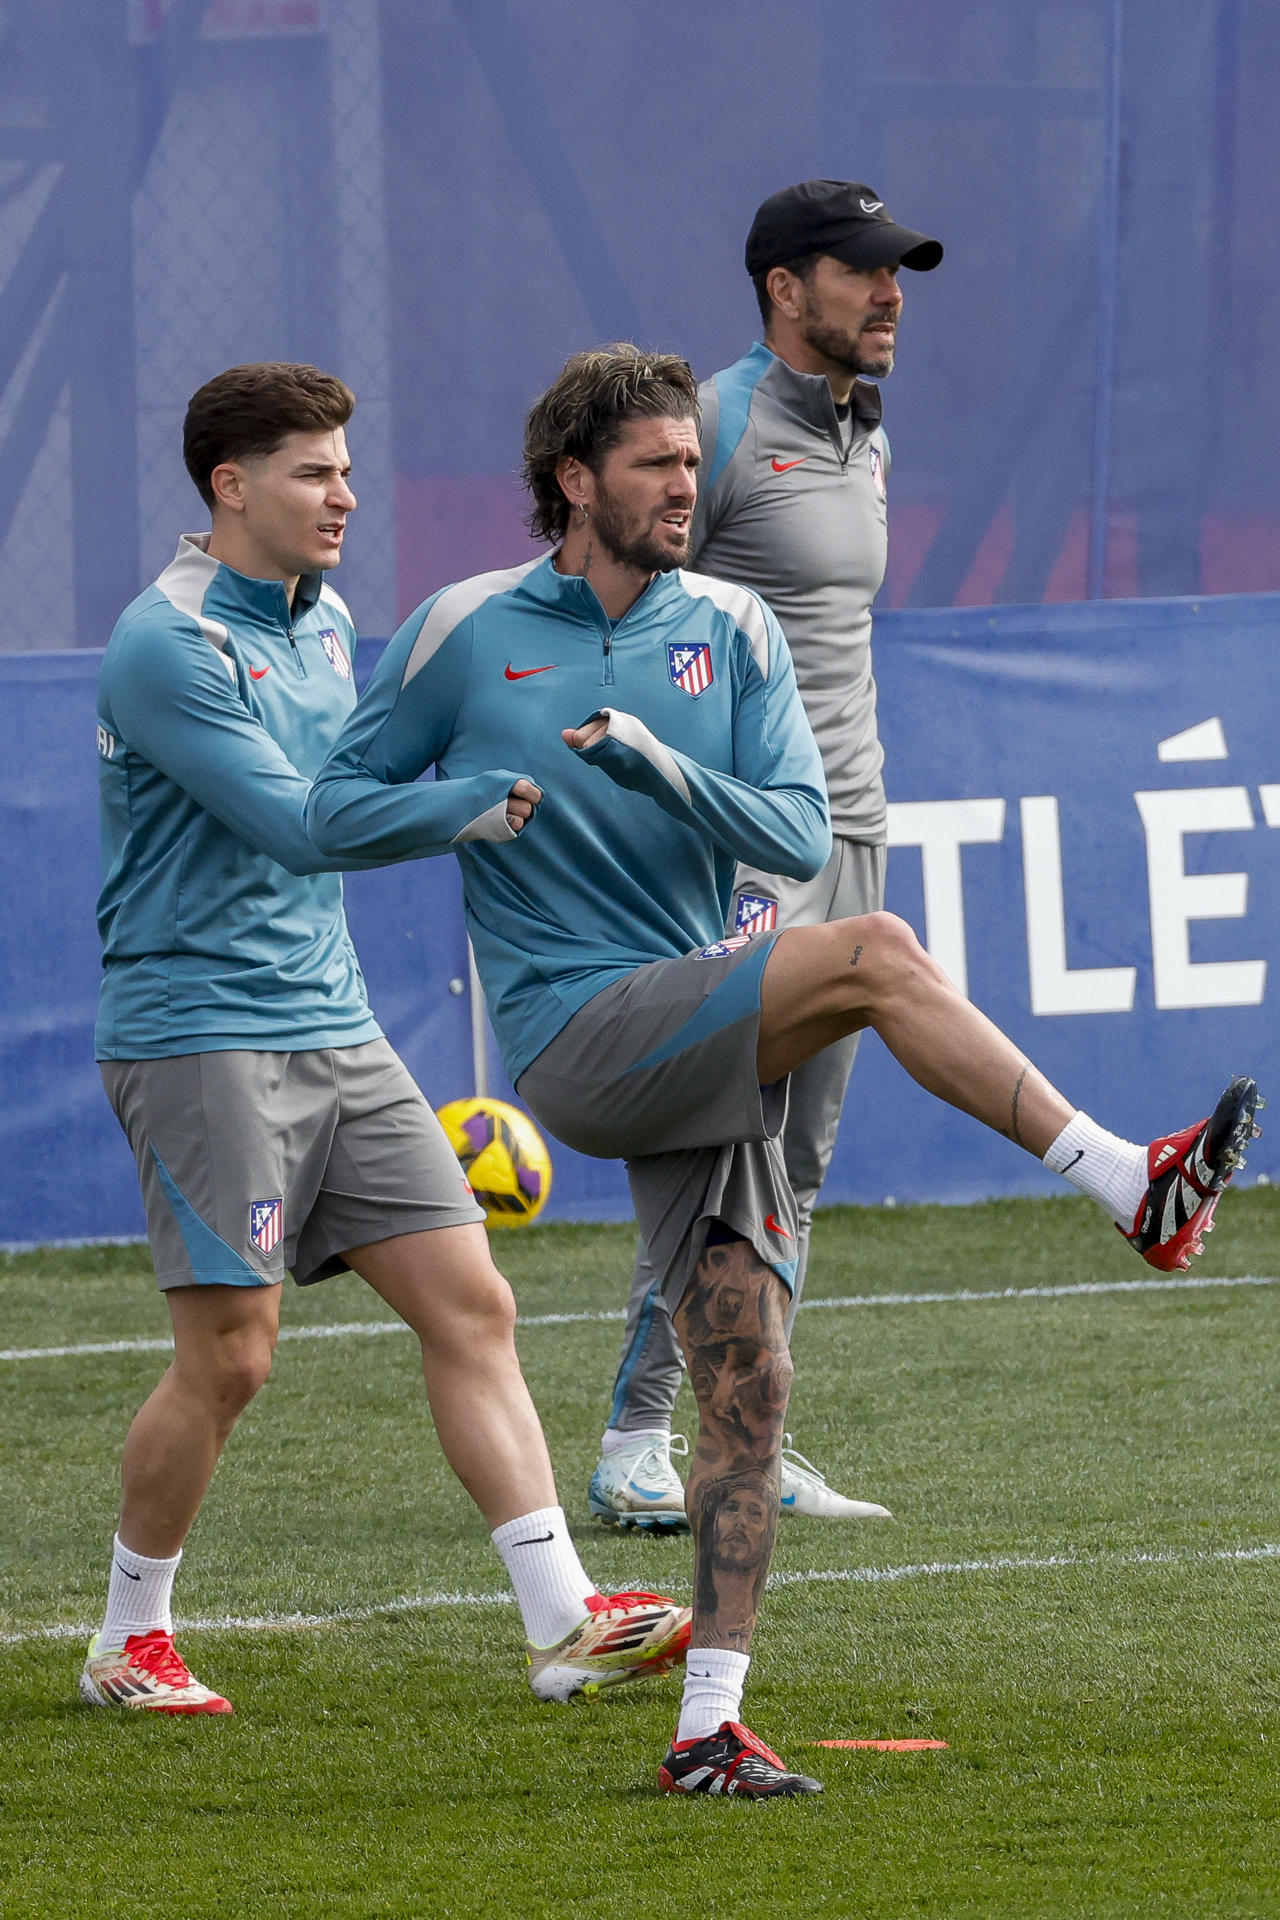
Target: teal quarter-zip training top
708, 760
222, 924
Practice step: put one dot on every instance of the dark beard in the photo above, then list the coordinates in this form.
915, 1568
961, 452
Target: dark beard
644, 553
845, 350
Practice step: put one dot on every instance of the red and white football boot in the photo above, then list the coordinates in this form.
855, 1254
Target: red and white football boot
625, 1636
730, 1761
1186, 1173
147, 1673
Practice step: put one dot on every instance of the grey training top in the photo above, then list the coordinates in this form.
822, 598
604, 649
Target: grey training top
791, 502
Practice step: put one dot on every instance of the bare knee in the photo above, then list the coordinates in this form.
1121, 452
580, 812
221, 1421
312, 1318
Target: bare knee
491, 1307
886, 957
474, 1319
226, 1373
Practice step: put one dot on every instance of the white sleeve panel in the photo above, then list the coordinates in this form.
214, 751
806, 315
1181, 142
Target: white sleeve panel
456, 604
743, 608
492, 824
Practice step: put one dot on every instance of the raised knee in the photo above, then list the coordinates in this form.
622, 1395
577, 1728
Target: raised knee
889, 947
890, 934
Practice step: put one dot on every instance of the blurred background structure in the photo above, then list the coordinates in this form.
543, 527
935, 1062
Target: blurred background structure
440, 200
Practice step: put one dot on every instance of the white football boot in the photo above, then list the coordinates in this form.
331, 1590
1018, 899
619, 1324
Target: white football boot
147, 1674
637, 1486
625, 1636
804, 1490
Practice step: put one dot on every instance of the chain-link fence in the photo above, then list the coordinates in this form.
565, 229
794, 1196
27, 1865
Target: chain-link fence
249, 224
440, 199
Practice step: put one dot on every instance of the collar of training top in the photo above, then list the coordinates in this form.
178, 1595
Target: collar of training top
809, 394
260, 599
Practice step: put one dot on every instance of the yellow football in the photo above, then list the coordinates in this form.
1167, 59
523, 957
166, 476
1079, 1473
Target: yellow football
503, 1156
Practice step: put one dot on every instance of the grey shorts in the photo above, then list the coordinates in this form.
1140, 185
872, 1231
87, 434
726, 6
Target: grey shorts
659, 1070
252, 1162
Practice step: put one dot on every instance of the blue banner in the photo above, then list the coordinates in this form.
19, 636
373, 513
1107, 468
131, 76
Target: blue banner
1083, 799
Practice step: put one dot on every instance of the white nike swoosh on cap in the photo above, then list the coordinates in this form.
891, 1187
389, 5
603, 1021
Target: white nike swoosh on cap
871, 206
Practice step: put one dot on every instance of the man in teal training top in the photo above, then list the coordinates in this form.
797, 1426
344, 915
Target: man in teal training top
653, 716
272, 1124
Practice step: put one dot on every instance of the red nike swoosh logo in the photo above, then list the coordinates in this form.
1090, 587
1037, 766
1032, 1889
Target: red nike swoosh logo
785, 466
522, 673
256, 673
771, 1226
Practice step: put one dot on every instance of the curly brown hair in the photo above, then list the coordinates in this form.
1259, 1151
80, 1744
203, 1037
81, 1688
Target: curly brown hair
247, 411
582, 414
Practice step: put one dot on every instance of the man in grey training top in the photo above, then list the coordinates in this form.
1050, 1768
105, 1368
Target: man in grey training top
791, 502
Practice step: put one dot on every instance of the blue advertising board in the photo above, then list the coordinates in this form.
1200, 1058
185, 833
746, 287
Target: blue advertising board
1083, 809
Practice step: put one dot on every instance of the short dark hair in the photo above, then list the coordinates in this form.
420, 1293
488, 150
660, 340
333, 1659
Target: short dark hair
247, 411
582, 414
802, 269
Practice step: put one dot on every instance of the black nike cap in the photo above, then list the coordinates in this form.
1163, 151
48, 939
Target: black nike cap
840, 217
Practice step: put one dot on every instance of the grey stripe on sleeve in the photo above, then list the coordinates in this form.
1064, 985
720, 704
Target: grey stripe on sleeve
455, 605
332, 598
634, 734
489, 825
184, 583
743, 608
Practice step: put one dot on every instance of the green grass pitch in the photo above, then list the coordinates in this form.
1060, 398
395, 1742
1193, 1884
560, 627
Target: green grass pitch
1078, 1594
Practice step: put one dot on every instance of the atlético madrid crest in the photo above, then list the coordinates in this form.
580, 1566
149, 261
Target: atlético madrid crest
335, 653
690, 667
756, 913
720, 949
266, 1224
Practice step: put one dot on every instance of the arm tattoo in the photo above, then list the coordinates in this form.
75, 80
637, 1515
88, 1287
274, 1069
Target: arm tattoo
730, 1324
857, 955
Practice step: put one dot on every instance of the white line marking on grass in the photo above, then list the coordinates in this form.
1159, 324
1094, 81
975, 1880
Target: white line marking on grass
431, 1602
281, 1622
1020, 1563
1173, 1284
356, 1329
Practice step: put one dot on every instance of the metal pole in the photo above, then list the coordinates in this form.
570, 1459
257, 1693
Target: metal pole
1108, 267
479, 1029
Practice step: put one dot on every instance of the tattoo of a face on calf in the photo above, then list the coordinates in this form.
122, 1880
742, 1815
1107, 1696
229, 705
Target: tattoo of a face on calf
731, 1326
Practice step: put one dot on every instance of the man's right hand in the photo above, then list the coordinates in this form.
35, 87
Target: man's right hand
521, 801
590, 734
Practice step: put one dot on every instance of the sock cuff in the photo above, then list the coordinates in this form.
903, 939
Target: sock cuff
525, 1525
139, 1563
1067, 1145
716, 1663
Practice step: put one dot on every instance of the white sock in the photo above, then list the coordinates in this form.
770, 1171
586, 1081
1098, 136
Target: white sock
713, 1683
615, 1437
551, 1588
139, 1595
1110, 1170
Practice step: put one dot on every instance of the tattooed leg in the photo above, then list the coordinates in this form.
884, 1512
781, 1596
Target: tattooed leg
730, 1323
821, 983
